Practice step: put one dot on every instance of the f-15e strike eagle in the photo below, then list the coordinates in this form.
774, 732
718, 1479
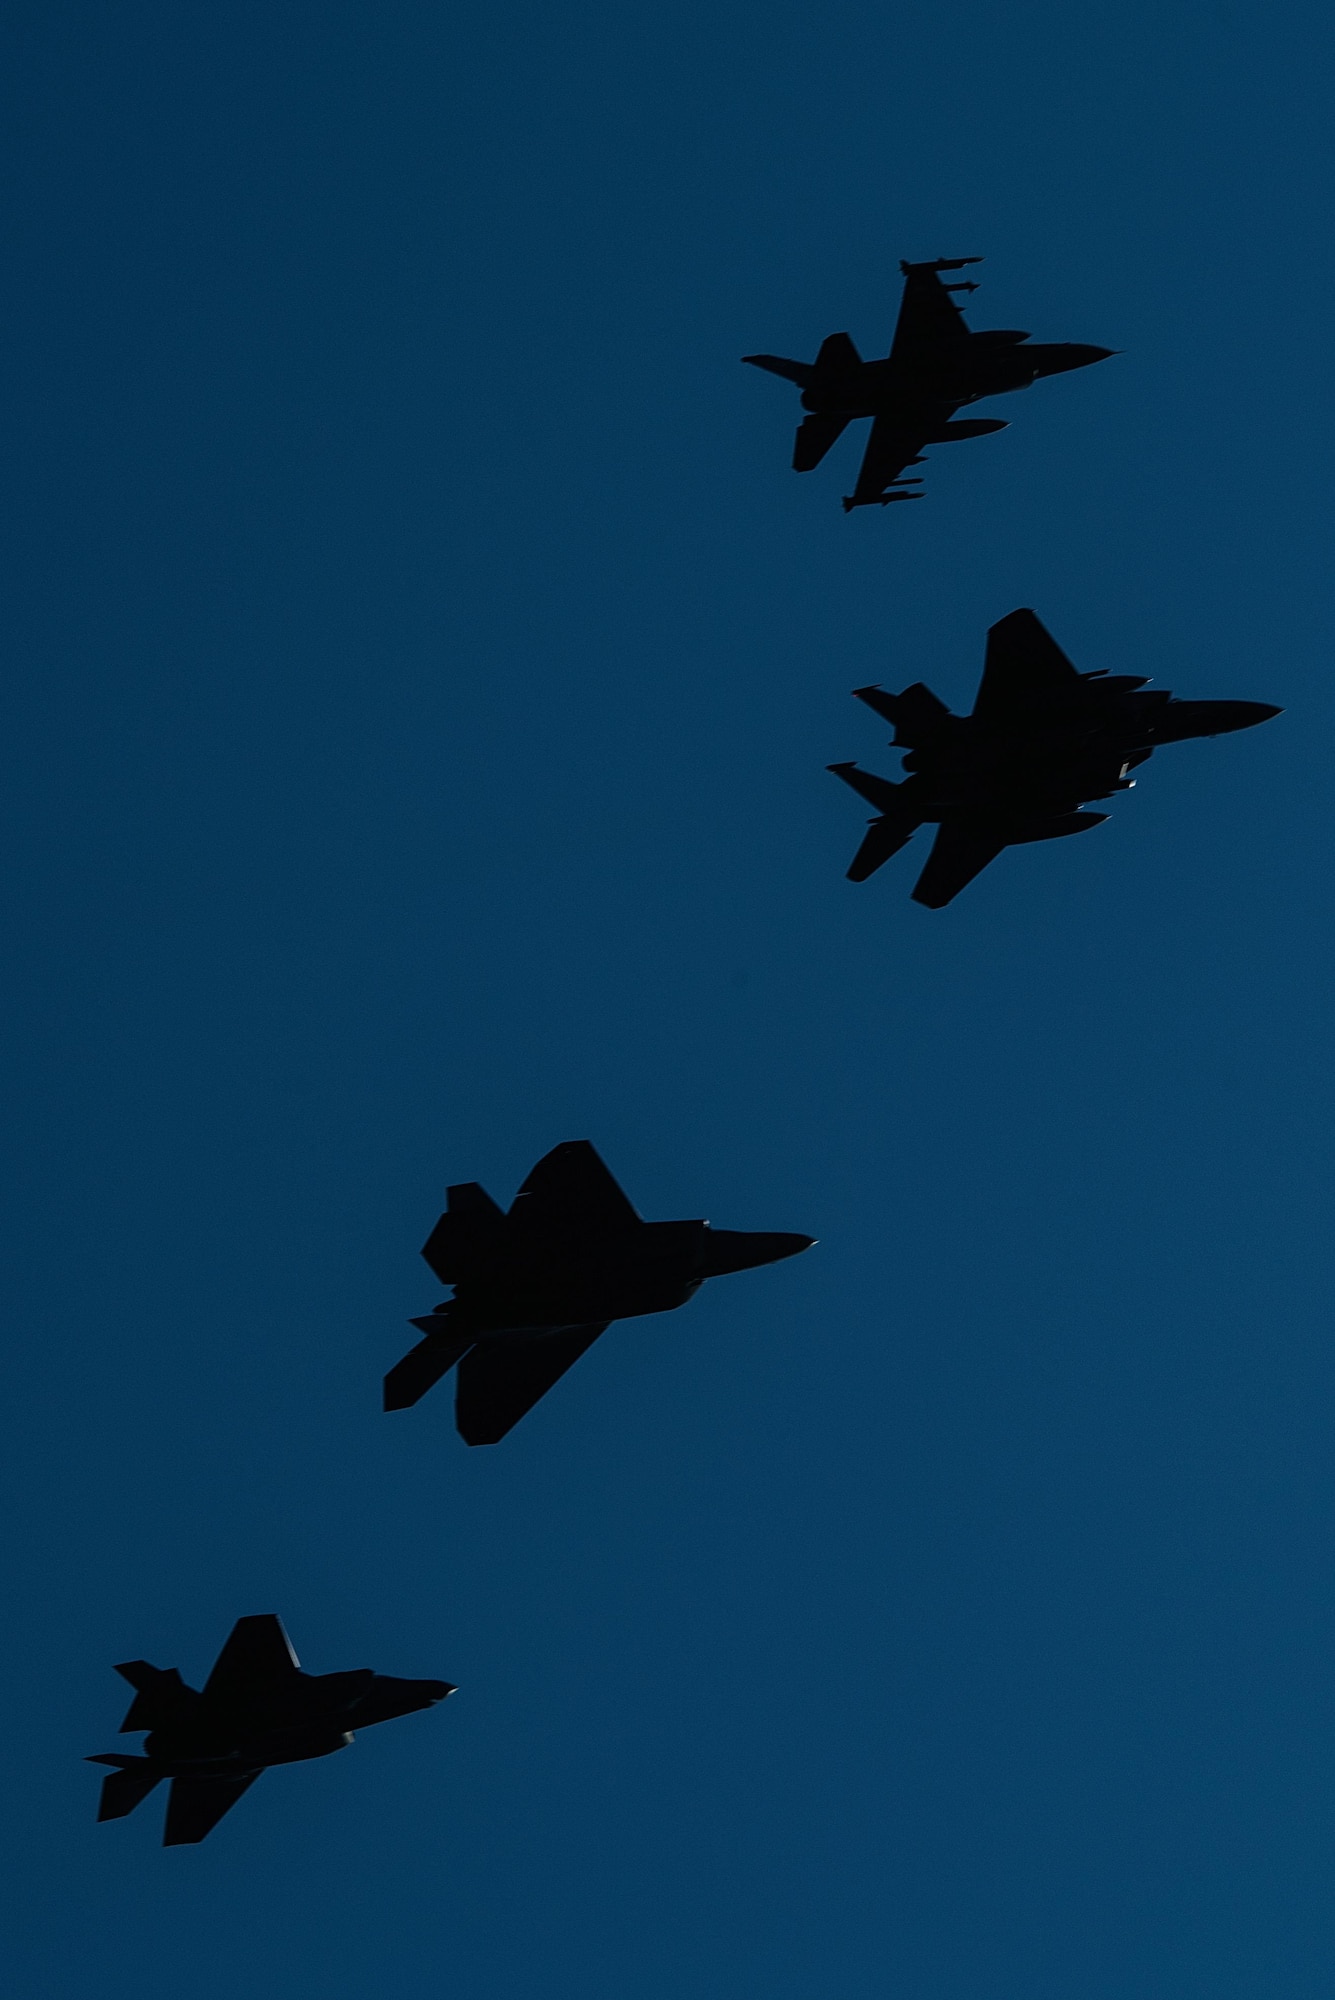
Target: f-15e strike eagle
1042, 740
534, 1288
935, 366
255, 1709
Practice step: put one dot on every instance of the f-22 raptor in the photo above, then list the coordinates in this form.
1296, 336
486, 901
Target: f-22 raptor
1042, 740
936, 365
533, 1289
255, 1709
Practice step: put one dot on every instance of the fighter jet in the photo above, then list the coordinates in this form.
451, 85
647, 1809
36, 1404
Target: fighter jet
1042, 740
255, 1709
533, 1289
935, 366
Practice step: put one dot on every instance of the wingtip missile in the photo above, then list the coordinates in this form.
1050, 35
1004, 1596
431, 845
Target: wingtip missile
937, 264
878, 500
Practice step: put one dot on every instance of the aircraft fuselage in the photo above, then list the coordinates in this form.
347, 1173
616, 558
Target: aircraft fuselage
520, 1284
312, 1716
992, 364
971, 766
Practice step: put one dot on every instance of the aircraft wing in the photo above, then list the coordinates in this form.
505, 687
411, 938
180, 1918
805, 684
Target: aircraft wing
195, 1805
256, 1659
501, 1380
1024, 665
571, 1185
929, 318
961, 850
895, 443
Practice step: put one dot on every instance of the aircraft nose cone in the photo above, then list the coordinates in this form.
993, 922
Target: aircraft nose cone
1242, 714
743, 1249
1080, 354
769, 1246
437, 1690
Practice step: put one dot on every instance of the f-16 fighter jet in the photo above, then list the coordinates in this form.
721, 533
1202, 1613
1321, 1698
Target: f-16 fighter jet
255, 1709
1042, 740
935, 366
534, 1288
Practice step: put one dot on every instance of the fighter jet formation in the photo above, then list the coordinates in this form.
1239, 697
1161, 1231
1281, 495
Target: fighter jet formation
936, 365
256, 1708
1041, 742
533, 1287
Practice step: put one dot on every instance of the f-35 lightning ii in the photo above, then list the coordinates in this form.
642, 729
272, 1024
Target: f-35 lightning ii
255, 1709
534, 1288
935, 366
1042, 740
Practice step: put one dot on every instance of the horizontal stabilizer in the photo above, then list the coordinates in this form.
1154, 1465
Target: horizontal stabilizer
420, 1369
814, 437
128, 1785
897, 825
774, 364
883, 793
883, 838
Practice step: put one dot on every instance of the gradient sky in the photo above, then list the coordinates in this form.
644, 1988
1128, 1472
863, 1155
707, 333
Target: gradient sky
421, 665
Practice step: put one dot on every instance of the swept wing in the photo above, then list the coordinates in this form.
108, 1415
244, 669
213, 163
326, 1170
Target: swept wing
257, 1660
570, 1186
896, 442
929, 318
929, 321
961, 850
195, 1805
501, 1380
1024, 667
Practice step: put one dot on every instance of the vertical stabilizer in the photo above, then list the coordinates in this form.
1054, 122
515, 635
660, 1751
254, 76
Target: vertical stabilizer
471, 1217
161, 1697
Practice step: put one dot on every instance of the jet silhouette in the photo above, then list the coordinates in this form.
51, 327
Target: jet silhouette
255, 1709
1042, 740
534, 1288
935, 366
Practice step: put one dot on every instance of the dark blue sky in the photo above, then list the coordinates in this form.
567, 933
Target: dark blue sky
421, 666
